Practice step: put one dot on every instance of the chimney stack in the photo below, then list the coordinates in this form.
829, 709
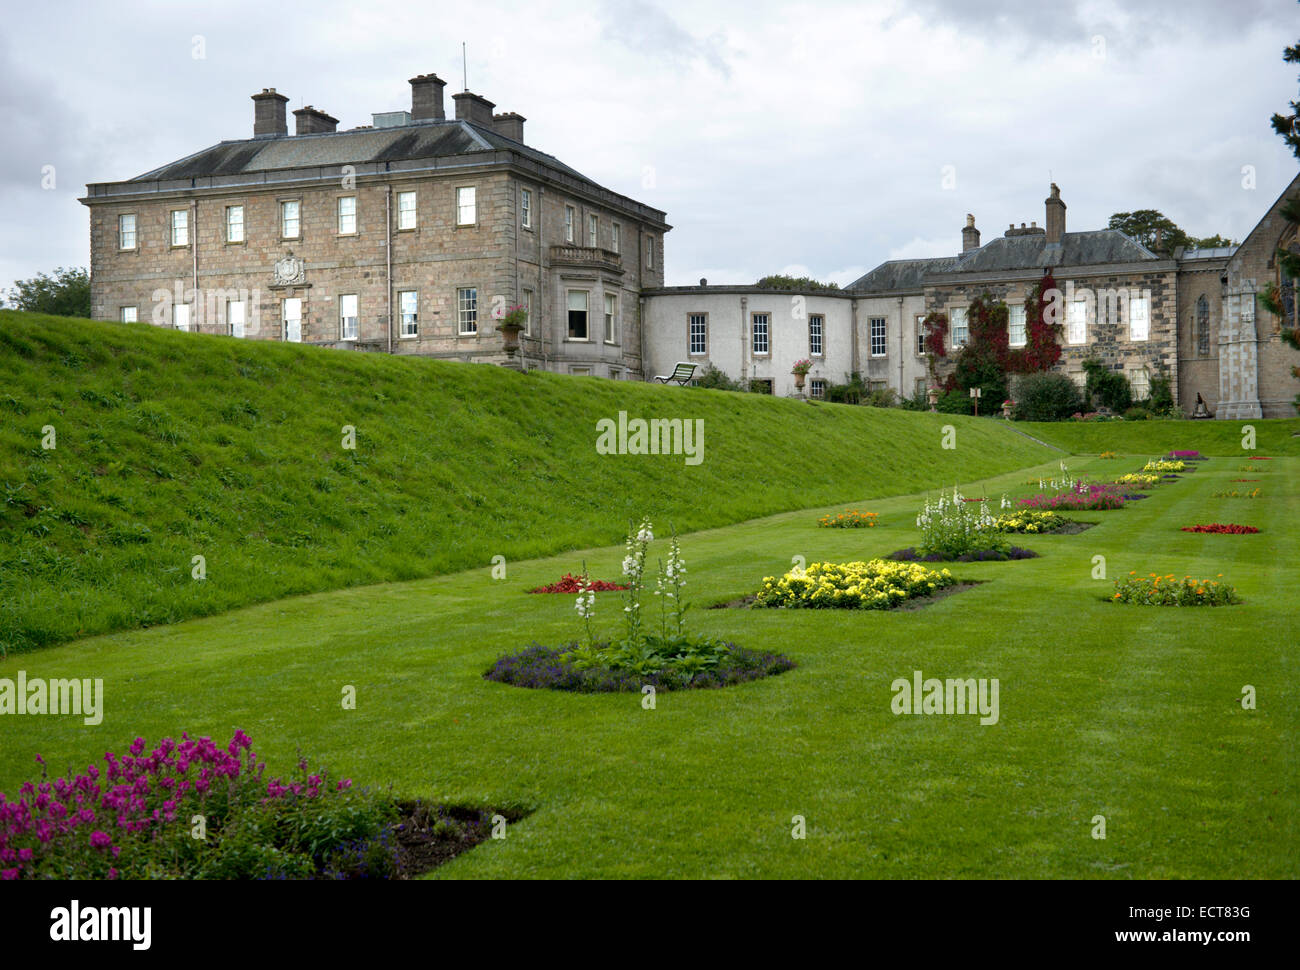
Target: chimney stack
970, 236
475, 109
426, 98
268, 114
511, 125
309, 121
1055, 217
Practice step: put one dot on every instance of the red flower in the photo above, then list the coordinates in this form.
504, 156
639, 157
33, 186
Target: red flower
1219, 528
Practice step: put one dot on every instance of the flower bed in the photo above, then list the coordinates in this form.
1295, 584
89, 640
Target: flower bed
1081, 498
1138, 480
554, 668
133, 819
1031, 521
910, 554
570, 583
849, 519
1185, 456
1222, 529
669, 657
874, 585
1259, 458
1234, 493
1244, 479
1163, 465
1109, 454
1155, 590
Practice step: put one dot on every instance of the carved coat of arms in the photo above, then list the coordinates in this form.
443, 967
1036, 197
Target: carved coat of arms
290, 269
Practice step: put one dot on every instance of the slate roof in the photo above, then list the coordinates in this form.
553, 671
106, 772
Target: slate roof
903, 274
1008, 253
438, 139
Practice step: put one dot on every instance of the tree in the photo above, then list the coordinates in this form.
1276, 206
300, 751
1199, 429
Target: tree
1288, 127
1160, 234
1042, 333
983, 361
66, 293
779, 282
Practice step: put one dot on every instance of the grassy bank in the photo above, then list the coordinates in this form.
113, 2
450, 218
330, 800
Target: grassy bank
171, 446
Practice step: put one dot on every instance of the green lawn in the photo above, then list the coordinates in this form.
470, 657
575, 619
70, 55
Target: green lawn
173, 445
1128, 712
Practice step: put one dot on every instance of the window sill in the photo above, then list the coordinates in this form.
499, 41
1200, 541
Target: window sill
236, 242
408, 229
577, 340
290, 239
408, 336
471, 333
346, 235
179, 246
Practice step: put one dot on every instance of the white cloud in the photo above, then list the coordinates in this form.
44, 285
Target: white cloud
777, 133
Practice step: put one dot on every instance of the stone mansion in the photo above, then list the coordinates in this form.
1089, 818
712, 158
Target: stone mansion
411, 234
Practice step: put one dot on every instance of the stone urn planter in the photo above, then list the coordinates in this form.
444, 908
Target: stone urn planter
933, 395
1006, 409
510, 338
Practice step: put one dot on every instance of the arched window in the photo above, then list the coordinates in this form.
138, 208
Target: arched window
1203, 326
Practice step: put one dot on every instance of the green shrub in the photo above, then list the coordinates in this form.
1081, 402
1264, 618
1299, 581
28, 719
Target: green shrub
956, 402
884, 398
1045, 397
713, 378
1137, 413
1107, 388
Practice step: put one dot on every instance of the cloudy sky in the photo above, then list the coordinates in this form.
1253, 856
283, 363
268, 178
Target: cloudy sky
815, 137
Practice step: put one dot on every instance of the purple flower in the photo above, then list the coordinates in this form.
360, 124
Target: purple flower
100, 840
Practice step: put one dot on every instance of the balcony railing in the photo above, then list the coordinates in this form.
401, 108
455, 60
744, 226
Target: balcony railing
587, 256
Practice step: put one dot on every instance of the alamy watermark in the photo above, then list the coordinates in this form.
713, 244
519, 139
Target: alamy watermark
922, 695
654, 436
37, 695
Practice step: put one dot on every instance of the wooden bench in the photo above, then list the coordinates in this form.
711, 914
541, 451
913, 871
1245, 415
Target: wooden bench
681, 374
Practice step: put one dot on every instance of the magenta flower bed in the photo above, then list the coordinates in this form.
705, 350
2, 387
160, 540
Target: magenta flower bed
1082, 497
104, 823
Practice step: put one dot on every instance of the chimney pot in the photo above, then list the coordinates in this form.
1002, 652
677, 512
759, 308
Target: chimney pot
1055, 216
970, 236
510, 124
474, 108
426, 98
311, 121
268, 114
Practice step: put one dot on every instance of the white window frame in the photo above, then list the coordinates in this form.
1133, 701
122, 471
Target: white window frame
879, 336
526, 207
1141, 389
236, 318
962, 329
692, 321
181, 316
467, 311
467, 205
570, 217
1012, 311
584, 309
526, 301
122, 231
285, 318
1076, 323
817, 387
128, 314
754, 331
920, 334
296, 206
180, 229
234, 227
408, 320
611, 318
649, 252
405, 224
816, 335
349, 323
616, 238
593, 231
1139, 318
346, 207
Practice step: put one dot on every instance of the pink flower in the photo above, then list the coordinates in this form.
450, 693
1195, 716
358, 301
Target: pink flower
100, 840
